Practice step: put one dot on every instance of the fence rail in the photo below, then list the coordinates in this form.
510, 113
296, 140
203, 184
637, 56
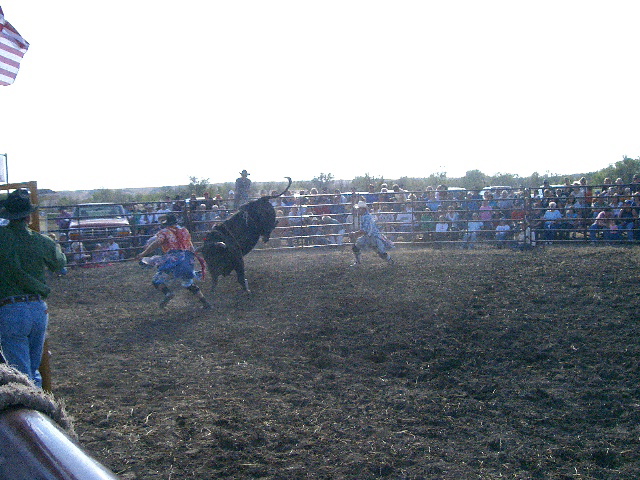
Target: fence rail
519, 218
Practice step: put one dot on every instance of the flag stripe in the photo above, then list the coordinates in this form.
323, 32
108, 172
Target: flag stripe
12, 50
6, 78
6, 69
10, 54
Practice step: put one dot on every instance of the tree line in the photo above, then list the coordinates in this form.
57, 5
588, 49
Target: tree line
326, 182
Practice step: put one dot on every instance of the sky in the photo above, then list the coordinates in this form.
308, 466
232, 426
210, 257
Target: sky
142, 93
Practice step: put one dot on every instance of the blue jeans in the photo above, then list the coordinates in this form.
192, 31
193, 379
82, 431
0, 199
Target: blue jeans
593, 232
629, 227
551, 231
23, 327
469, 239
178, 263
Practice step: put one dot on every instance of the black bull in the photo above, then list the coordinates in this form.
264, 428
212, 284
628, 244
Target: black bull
226, 245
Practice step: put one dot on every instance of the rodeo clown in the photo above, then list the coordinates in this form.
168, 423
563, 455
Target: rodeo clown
178, 258
371, 236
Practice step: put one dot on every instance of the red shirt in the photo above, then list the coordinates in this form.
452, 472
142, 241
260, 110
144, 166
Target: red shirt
175, 238
517, 215
321, 209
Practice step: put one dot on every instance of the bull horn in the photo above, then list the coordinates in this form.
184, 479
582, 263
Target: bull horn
280, 194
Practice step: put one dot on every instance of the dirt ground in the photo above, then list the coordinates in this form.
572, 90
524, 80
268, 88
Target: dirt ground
448, 364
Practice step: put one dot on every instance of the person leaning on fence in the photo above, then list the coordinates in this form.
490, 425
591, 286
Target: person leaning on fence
474, 227
337, 208
525, 238
147, 222
628, 218
163, 209
404, 223
552, 222
518, 212
601, 224
442, 231
371, 195
486, 214
114, 253
385, 218
503, 233
77, 254
24, 257
453, 217
505, 203
471, 203
296, 232
178, 259
63, 221
371, 236
569, 224
333, 229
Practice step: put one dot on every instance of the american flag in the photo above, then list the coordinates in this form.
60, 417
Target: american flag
12, 49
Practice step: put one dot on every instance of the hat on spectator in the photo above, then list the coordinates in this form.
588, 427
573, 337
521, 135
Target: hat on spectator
552, 205
361, 204
17, 205
244, 172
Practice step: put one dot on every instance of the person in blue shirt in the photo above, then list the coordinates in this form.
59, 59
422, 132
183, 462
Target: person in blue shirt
371, 236
552, 221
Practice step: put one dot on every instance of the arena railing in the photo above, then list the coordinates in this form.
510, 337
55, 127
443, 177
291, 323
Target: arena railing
414, 221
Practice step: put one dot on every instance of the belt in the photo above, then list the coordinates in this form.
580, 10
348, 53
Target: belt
20, 298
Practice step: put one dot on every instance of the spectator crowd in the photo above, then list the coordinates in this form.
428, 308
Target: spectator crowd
501, 216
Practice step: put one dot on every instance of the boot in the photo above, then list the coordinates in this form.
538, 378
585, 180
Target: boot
167, 298
168, 294
206, 305
387, 257
198, 293
356, 253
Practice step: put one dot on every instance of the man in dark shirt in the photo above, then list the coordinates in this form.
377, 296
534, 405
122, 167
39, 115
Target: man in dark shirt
243, 186
24, 255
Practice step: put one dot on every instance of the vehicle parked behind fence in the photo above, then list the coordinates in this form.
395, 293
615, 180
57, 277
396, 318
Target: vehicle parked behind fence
96, 223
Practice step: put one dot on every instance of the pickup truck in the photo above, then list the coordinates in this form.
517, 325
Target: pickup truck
93, 223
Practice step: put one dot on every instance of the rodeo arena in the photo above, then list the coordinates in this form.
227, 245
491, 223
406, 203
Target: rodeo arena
525, 223
445, 333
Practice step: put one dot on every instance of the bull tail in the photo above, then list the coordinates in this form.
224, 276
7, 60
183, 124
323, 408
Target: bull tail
283, 192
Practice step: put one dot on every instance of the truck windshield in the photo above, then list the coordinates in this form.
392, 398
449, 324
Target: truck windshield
97, 211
